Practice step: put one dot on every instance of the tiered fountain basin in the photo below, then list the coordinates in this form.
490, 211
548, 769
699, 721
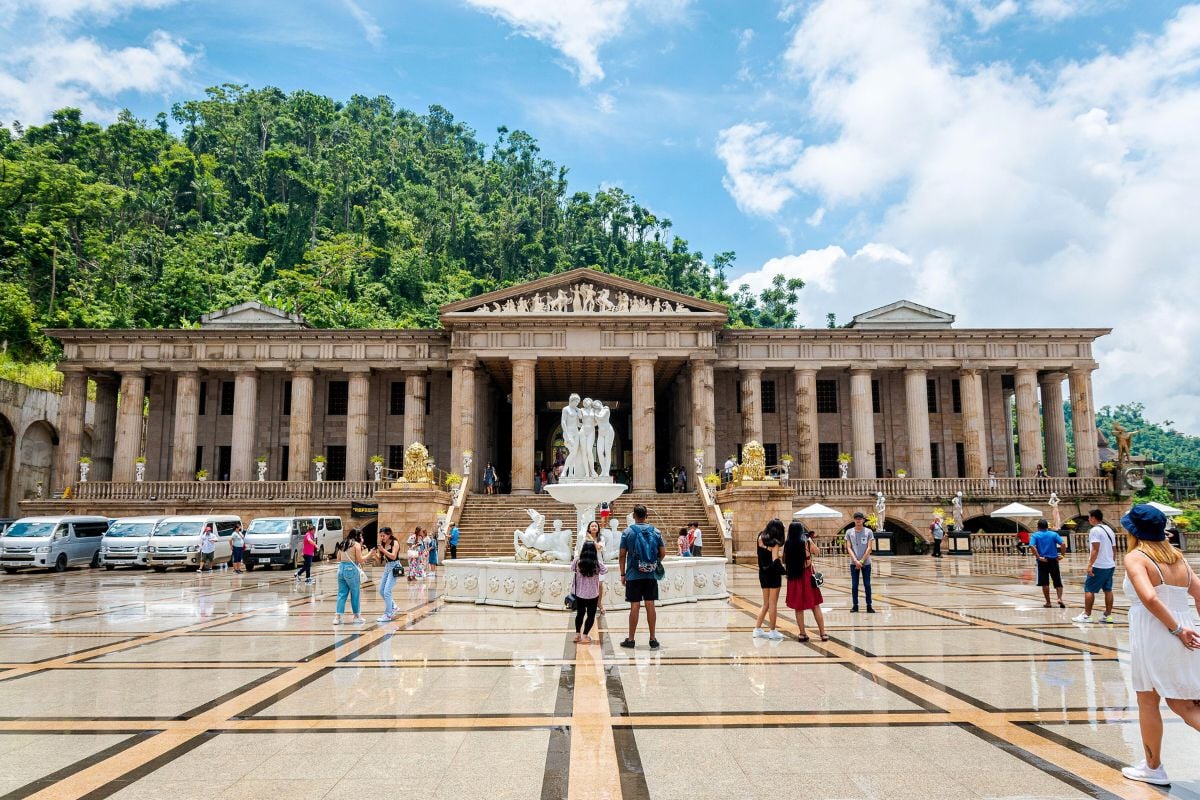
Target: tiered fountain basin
506, 582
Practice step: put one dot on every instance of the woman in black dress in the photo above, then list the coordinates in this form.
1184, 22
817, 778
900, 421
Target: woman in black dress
770, 578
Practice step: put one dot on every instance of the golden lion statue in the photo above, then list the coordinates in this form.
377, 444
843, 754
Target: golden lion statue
754, 462
416, 464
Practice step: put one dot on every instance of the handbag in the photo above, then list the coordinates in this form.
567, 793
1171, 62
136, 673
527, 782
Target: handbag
660, 571
571, 601
817, 579
397, 570
362, 574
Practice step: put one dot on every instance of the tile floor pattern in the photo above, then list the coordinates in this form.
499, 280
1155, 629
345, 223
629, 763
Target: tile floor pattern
141, 685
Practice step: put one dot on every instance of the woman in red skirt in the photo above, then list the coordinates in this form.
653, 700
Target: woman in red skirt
802, 594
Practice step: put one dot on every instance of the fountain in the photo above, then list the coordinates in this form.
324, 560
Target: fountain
539, 573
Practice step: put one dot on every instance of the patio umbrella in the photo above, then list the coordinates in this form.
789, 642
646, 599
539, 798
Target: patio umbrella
818, 511
1015, 511
1168, 511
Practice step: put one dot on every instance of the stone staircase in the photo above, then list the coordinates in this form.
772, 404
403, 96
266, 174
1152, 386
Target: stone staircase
487, 522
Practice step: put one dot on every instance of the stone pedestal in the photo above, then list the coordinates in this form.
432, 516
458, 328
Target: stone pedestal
753, 505
404, 509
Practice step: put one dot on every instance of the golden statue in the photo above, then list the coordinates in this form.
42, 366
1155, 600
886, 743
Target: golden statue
754, 462
1124, 442
417, 466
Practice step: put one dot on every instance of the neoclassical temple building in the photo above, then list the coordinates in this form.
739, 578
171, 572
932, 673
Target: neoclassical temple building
899, 389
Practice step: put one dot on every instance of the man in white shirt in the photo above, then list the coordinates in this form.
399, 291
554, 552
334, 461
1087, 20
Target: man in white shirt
208, 548
729, 465
1100, 568
697, 540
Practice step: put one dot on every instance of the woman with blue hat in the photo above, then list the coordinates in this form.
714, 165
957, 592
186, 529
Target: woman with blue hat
1164, 649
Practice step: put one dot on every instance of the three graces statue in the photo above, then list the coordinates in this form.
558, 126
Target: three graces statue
588, 434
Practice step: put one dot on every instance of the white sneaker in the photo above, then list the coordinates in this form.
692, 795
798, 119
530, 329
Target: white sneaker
1081, 618
337, 620
384, 618
1110, 619
775, 635
1140, 772
759, 633
359, 620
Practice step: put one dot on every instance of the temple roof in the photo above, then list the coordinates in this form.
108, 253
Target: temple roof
903, 314
252, 314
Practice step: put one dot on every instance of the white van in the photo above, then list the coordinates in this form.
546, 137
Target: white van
52, 542
176, 540
280, 540
126, 543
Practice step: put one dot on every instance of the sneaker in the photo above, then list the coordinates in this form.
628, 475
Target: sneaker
311, 581
1081, 618
384, 618
854, 610
759, 633
1110, 619
1140, 772
629, 643
870, 610
337, 620
654, 644
775, 635
359, 620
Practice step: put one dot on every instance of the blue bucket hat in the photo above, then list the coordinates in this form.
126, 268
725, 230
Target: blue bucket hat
1146, 522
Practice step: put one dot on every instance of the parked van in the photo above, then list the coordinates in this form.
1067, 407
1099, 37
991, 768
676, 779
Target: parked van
176, 540
52, 542
280, 540
127, 542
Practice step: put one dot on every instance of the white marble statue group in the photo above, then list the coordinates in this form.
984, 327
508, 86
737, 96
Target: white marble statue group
588, 435
535, 544
584, 298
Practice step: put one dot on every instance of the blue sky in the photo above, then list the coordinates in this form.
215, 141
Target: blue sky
1015, 162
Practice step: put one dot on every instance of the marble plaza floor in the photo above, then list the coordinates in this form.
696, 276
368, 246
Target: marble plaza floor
144, 685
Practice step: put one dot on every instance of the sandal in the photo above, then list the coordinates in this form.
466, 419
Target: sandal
802, 638
824, 637
1047, 605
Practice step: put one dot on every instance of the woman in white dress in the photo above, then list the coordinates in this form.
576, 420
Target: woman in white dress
1163, 647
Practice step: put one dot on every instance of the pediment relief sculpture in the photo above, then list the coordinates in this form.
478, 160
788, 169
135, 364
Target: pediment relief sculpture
583, 298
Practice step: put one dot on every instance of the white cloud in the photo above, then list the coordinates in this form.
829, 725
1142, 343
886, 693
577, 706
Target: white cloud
76, 9
1058, 10
990, 14
1068, 200
816, 218
578, 28
371, 29
606, 103
56, 71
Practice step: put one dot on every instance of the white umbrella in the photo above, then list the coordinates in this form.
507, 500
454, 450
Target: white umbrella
818, 511
1015, 511
1168, 511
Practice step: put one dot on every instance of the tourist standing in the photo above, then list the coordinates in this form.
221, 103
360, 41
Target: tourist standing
770, 579
415, 570
388, 554
803, 594
1164, 650
860, 541
1102, 563
489, 479
728, 471
595, 533
1048, 547
682, 544
697, 540
452, 543
208, 548
937, 532
992, 482
238, 543
308, 549
432, 551
642, 552
350, 556
588, 568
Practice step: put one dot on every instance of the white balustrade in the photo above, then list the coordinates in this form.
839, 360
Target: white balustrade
946, 487
226, 490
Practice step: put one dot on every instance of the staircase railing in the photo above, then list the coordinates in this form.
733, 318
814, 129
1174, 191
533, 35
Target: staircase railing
458, 495
713, 509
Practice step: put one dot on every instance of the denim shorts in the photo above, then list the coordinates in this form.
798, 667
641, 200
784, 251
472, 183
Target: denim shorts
1100, 581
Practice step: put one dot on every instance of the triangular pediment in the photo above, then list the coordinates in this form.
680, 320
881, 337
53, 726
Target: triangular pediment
252, 314
903, 314
582, 292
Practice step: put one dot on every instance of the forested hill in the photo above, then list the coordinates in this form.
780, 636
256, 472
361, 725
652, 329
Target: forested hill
357, 214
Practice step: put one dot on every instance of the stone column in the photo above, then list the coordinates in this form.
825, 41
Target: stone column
751, 387
1029, 425
807, 461
71, 409
414, 407
187, 409
129, 426
462, 411
1083, 422
916, 404
704, 426
862, 423
104, 429
643, 424
245, 418
300, 427
1054, 424
524, 424
974, 432
358, 423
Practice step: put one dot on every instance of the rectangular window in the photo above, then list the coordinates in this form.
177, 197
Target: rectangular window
287, 398
224, 459
876, 400
737, 398
285, 458
428, 398
827, 398
960, 455
827, 453
396, 401
199, 459
226, 398
935, 459
879, 460
338, 399
931, 393
771, 454
768, 400
335, 462
956, 395
203, 404
395, 456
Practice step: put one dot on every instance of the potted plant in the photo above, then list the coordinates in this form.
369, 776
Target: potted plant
1108, 468
786, 460
453, 481
712, 480
201, 474
901, 473
845, 458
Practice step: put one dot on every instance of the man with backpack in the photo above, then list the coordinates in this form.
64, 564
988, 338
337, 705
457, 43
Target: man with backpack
642, 552
1101, 565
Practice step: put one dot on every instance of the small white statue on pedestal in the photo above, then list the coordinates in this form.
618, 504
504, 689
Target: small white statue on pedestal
843, 470
320, 467
880, 510
957, 512
378, 467
84, 468
262, 471
139, 471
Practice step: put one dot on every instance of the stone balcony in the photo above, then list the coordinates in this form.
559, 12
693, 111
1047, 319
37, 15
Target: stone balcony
161, 491
945, 488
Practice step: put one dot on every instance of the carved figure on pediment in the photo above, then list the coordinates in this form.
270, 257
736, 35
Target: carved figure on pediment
588, 294
496, 308
637, 305
536, 304
603, 302
576, 298
680, 308
622, 303
522, 305
509, 306
558, 303
483, 309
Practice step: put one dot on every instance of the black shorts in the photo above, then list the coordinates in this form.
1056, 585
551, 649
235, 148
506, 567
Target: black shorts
1047, 571
769, 579
640, 591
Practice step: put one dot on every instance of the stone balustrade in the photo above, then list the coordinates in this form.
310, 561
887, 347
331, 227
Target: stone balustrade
227, 490
945, 488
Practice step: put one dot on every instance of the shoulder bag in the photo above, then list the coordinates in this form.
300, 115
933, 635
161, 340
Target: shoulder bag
571, 601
